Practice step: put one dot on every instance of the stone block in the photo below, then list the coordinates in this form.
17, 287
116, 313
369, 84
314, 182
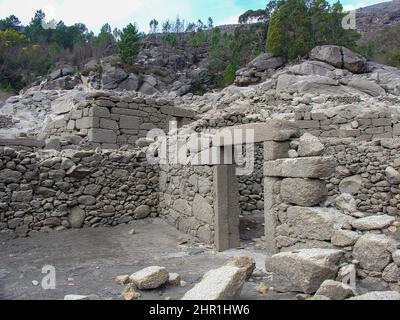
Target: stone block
303, 192
128, 122
108, 124
303, 270
102, 136
312, 167
99, 112
316, 223
87, 123
178, 112
276, 150
224, 283
271, 130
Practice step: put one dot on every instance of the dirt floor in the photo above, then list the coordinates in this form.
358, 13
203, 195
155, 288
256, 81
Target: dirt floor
87, 261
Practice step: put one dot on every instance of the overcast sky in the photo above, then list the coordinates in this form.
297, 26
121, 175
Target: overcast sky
94, 13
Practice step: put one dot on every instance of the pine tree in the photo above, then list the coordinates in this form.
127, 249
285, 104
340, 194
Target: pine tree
128, 45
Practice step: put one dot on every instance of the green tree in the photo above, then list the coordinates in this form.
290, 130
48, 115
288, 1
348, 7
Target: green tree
11, 22
296, 26
229, 74
128, 45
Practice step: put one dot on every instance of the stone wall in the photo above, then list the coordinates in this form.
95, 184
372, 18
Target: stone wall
187, 199
45, 191
368, 171
111, 121
345, 121
304, 217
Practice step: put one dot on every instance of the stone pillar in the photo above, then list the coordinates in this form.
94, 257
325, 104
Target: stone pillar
272, 151
227, 207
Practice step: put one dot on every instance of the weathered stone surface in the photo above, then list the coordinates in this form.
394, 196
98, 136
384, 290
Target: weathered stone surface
316, 223
303, 270
373, 222
344, 238
351, 185
266, 61
224, 283
10, 176
102, 136
396, 257
87, 200
339, 57
174, 279
391, 273
248, 263
303, 192
335, 290
128, 122
392, 175
142, 212
202, 210
22, 196
150, 278
312, 167
310, 146
368, 87
374, 251
77, 217
130, 293
271, 130
122, 280
378, 295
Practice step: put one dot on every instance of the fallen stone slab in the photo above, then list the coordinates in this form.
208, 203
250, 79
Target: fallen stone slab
335, 290
316, 223
373, 222
374, 251
378, 295
247, 263
150, 278
303, 270
224, 283
312, 167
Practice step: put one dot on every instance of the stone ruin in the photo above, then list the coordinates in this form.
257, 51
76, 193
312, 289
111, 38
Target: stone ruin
325, 180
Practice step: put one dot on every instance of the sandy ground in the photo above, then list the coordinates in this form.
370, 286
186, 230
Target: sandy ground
88, 260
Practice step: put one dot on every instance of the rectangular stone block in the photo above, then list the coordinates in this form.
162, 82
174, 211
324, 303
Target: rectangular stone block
270, 221
312, 167
87, 123
382, 122
128, 122
308, 124
102, 136
178, 112
108, 124
76, 114
129, 112
227, 208
101, 112
396, 129
271, 130
276, 150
